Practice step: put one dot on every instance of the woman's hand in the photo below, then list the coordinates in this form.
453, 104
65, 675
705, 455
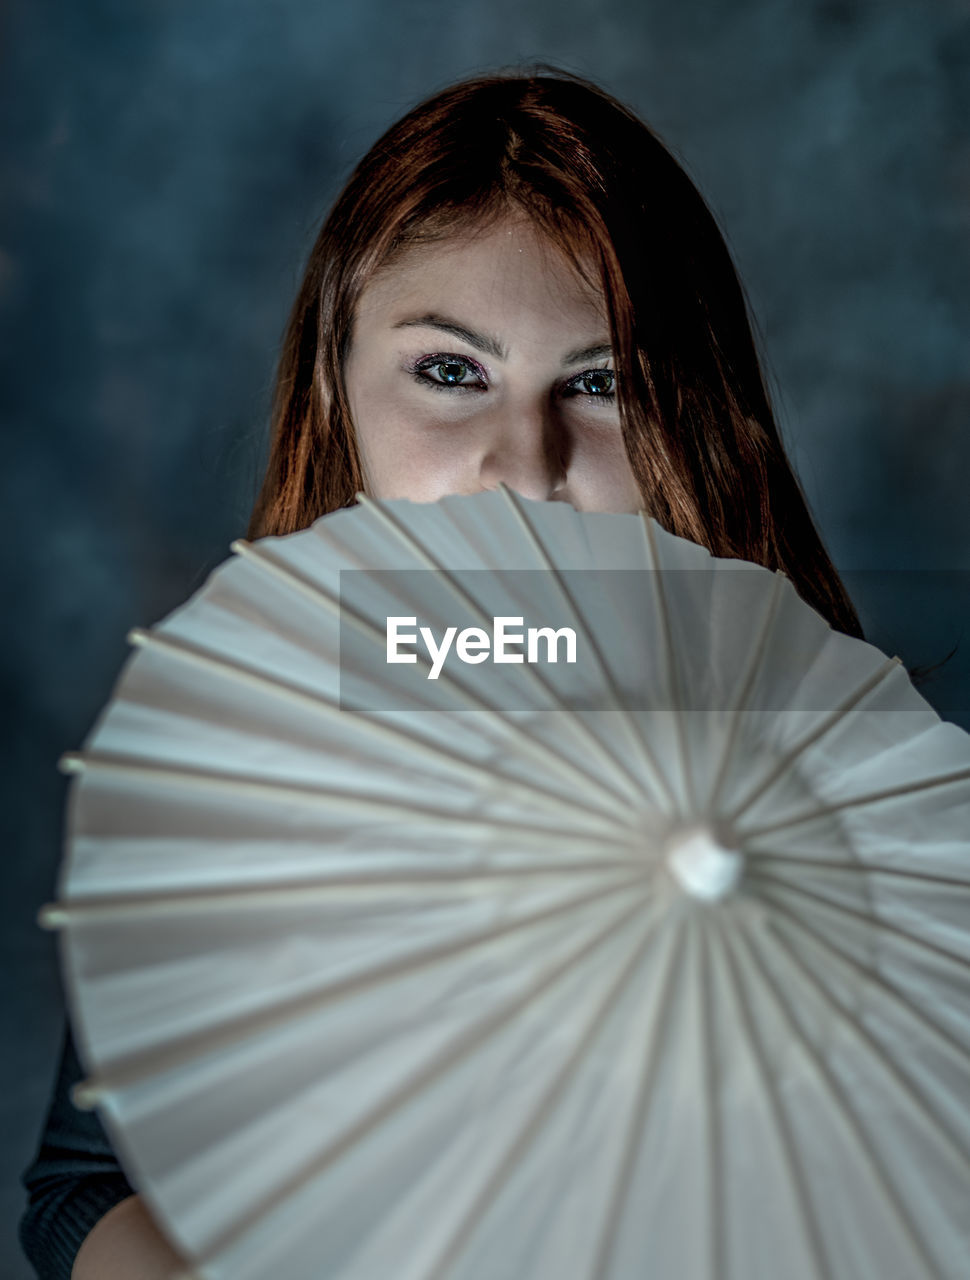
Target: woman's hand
126, 1245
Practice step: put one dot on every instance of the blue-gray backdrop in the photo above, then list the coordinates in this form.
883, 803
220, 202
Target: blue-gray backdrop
165, 167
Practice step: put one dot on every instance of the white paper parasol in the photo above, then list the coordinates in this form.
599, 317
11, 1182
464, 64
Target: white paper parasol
655, 963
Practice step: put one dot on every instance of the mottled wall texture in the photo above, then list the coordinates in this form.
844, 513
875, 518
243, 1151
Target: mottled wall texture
165, 164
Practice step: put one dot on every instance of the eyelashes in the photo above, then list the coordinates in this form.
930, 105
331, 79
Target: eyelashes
456, 373
452, 371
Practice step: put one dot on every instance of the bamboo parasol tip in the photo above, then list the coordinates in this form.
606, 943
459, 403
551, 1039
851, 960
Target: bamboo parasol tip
52, 916
86, 1095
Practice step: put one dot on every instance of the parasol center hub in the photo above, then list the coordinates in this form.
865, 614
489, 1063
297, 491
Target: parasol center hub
702, 865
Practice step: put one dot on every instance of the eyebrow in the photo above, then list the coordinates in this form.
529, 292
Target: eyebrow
489, 345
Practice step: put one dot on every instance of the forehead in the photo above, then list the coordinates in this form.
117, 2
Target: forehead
507, 272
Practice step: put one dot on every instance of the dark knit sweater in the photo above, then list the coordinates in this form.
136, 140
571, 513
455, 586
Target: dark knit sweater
73, 1182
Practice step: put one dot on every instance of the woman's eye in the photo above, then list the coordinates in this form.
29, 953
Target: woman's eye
599, 383
442, 372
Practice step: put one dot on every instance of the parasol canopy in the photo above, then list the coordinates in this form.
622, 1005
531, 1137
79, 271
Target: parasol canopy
653, 961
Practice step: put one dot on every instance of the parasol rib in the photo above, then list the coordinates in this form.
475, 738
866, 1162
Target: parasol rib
754, 856
317, 593
421, 553
897, 1213
854, 802
677, 698
213, 1039
191, 776
640, 741
905, 1090
825, 725
244, 897
412, 1087
869, 923
714, 1190
547, 1101
807, 1220
194, 655
942, 1038
755, 662
658, 1012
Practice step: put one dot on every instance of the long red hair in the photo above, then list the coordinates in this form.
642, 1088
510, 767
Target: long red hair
697, 420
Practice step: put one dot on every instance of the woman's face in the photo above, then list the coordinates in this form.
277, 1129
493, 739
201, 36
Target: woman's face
482, 358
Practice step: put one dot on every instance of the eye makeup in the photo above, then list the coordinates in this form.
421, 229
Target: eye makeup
453, 368
447, 360
599, 374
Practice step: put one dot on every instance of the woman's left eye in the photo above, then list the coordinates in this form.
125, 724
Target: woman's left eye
599, 383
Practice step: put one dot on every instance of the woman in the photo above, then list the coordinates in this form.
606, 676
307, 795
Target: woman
518, 284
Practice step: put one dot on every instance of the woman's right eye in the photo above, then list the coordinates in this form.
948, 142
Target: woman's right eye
445, 372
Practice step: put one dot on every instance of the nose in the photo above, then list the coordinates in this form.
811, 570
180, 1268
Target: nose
526, 449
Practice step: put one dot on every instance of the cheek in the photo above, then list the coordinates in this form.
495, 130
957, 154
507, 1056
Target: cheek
601, 470
394, 419
598, 445
405, 453
377, 421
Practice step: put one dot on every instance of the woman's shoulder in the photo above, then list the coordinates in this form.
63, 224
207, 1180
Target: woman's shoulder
73, 1180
